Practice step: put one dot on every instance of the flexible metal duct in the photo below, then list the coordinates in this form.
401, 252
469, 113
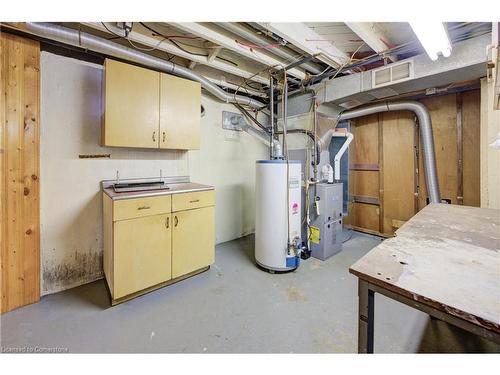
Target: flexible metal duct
425, 123
106, 47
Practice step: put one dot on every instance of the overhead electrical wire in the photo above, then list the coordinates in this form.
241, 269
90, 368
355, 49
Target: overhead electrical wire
148, 49
170, 38
177, 43
167, 36
257, 46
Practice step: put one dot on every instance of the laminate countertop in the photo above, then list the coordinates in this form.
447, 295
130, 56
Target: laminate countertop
174, 188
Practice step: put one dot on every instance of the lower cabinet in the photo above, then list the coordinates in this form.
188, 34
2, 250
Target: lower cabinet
193, 240
143, 255
146, 245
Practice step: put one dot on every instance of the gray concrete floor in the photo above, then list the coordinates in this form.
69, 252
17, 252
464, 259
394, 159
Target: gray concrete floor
235, 307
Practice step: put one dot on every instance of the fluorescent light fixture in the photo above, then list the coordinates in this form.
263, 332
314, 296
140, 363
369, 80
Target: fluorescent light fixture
433, 37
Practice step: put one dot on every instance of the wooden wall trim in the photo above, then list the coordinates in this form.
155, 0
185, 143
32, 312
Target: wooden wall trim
460, 150
367, 200
381, 172
19, 179
364, 167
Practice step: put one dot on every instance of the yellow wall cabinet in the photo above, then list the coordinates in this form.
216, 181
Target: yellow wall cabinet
155, 241
180, 102
147, 109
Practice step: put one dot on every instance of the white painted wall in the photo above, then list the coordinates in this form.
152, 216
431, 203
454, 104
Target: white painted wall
71, 212
226, 160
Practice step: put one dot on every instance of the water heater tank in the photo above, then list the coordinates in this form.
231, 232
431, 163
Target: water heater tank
277, 203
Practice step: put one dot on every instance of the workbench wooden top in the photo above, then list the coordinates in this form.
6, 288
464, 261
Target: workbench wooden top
446, 256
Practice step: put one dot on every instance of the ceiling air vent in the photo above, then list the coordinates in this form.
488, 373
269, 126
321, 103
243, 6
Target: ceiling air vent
389, 74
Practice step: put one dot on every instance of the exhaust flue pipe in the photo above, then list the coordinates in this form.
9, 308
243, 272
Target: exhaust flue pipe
88, 41
424, 120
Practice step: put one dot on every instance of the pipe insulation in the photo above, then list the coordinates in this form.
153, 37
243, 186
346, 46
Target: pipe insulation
424, 120
91, 42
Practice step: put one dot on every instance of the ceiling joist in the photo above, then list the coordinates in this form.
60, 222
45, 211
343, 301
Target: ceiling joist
166, 46
373, 36
305, 38
224, 40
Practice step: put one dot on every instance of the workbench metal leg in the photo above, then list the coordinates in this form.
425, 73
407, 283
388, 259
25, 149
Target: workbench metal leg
366, 317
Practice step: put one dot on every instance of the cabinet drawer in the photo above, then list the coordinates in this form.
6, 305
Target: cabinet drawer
197, 199
140, 207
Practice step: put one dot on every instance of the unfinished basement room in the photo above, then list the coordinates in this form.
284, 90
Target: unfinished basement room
326, 185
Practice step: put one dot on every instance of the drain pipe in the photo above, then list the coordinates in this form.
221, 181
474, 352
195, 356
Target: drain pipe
348, 139
93, 43
424, 120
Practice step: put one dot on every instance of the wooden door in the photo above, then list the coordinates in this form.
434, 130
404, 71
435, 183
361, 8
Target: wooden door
364, 175
387, 176
142, 253
131, 106
19, 174
397, 169
179, 113
193, 240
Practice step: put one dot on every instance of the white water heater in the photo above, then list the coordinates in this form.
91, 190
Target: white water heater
278, 214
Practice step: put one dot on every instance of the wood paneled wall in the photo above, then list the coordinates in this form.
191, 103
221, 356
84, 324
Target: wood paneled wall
19, 158
386, 173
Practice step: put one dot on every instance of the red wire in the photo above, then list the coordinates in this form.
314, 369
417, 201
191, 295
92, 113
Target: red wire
256, 46
175, 36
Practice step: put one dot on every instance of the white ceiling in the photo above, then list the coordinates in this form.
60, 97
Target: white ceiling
340, 35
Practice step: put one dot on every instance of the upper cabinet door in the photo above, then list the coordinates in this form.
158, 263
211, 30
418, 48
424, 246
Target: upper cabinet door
179, 113
131, 111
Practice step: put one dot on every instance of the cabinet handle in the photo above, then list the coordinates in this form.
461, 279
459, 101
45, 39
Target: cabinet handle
144, 208
164, 136
167, 223
176, 221
194, 201
154, 138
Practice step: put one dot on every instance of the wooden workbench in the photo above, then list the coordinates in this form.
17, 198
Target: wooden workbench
444, 261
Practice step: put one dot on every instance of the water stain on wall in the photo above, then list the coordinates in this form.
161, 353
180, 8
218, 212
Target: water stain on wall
80, 268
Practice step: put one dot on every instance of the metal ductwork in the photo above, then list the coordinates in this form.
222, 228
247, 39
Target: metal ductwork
424, 120
88, 41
